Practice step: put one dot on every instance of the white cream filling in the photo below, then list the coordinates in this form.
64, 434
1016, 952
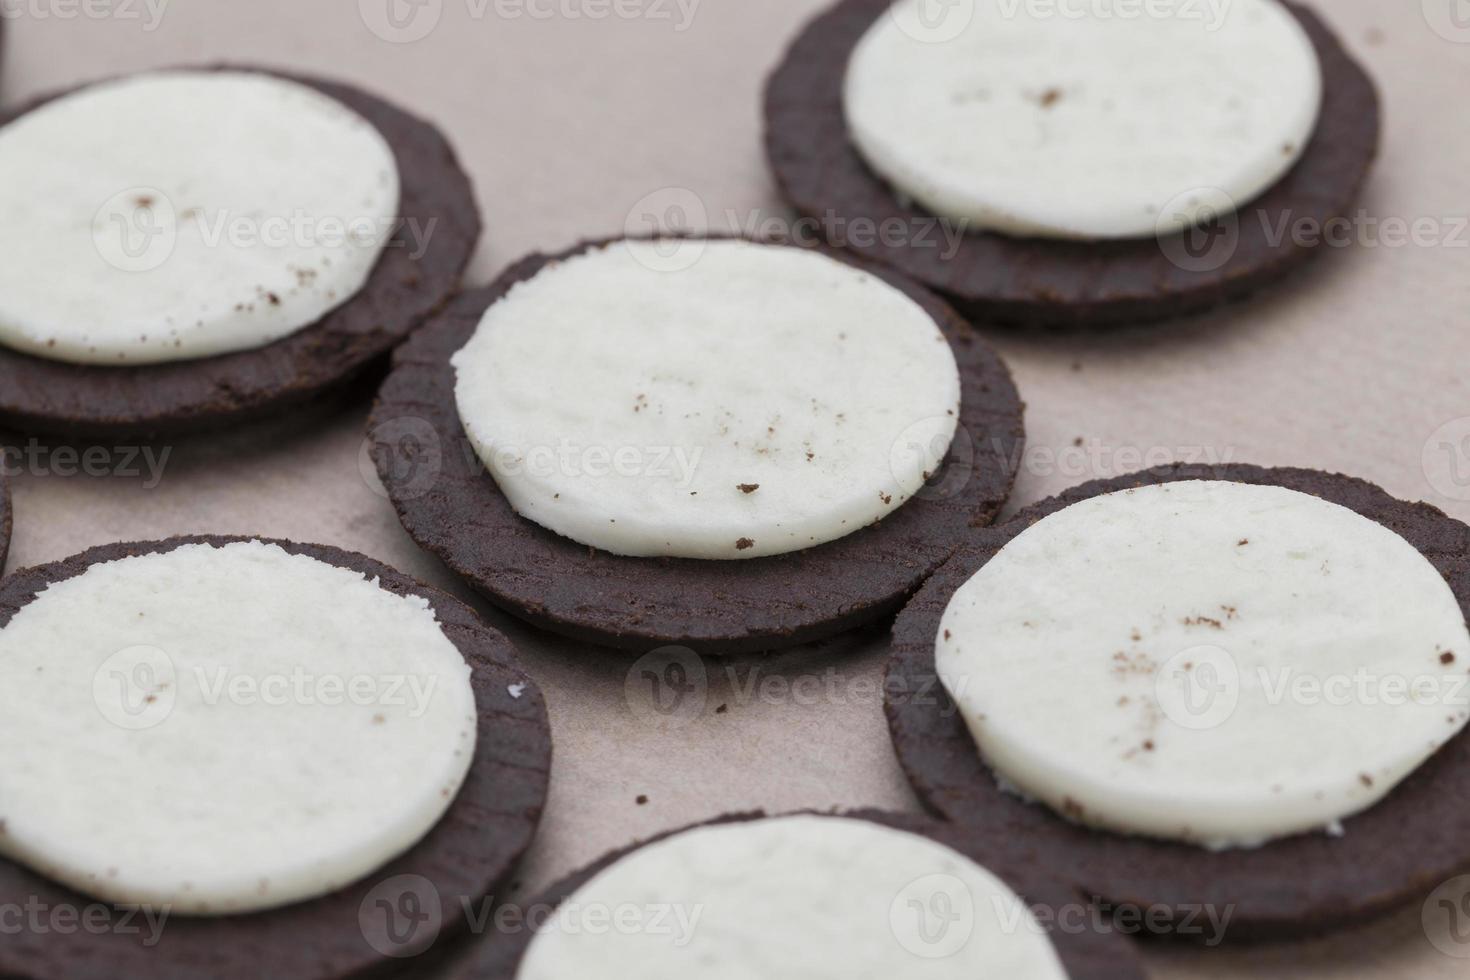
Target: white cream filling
1083, 120
183, 214
819, 898
222, 730
1206, 661
761, 401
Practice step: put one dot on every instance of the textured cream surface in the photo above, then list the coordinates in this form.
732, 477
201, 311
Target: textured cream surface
1079, 120
178, 215
225, 729
1206, 661
759, 401
816, 898
1308, 375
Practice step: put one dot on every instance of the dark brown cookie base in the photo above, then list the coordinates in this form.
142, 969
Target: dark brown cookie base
994, 277
451, 506
468, 855
1392, 854
1087, 954
76, 400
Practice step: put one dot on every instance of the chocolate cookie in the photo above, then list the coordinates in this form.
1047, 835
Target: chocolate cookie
1035, 281
465, 857
450, 505
165, 399
1087, 954
1389, 854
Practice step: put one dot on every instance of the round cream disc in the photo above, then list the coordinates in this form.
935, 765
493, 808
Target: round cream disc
1083, 120
761, 401
1210, 662
220, 730
820, 898
183, 214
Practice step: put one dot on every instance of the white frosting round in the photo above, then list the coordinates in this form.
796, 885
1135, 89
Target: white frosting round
820, 898
223, 730
1080, 121
760, 401
1205, 661
178, 215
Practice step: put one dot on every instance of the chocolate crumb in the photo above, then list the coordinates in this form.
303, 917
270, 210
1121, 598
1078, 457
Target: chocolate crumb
1050, 97
744, 544
748, 487
642, 800
1446, 658
722, 709
1366, 780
